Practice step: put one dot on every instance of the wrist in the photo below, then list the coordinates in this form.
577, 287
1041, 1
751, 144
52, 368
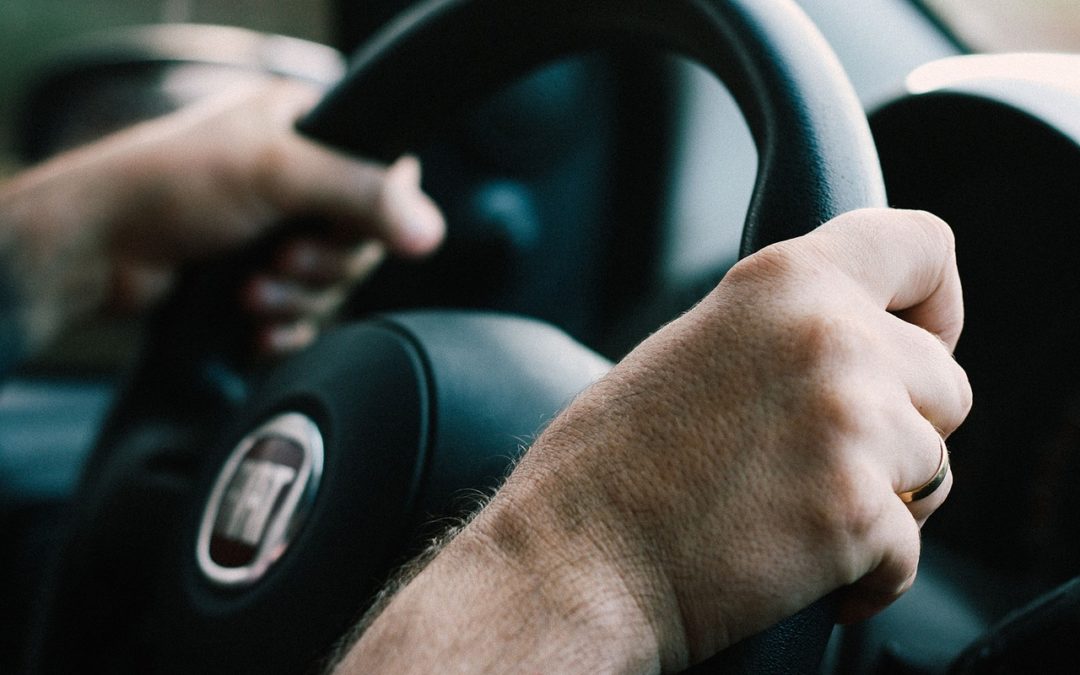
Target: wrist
53, 245
515, 590
577, 506
582, 585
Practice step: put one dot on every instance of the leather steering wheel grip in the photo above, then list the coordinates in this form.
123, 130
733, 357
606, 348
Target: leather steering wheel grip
816, 155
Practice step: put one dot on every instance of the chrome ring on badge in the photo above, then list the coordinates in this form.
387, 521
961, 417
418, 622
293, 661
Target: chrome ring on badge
259, 500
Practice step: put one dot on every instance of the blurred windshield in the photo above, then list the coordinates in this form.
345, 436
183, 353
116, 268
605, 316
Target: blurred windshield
1012, 25
30, 30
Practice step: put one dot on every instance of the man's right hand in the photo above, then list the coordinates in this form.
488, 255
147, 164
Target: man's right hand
741, 463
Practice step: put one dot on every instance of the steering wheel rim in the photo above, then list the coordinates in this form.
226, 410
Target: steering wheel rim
816, 155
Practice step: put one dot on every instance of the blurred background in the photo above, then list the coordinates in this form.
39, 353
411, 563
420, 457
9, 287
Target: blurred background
1012, 25
32, 31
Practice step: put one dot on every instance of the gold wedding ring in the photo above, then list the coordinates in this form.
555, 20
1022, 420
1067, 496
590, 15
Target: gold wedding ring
927, 488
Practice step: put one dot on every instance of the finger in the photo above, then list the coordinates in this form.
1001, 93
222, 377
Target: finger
318, 263
904, 260
904, 452
896, 538
281, 299
370, 202
923, 453
409, 213
281, 339
937, 385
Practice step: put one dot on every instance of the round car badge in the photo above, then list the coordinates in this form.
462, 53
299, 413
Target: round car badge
259, 500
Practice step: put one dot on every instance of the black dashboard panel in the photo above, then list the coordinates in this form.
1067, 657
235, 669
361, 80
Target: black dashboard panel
1005, 176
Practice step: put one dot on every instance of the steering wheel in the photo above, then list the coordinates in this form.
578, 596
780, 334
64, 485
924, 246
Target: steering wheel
219, 532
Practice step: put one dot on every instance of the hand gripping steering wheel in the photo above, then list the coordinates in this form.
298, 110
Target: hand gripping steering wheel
218, 538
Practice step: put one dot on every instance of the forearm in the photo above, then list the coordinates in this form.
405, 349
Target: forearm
66, 224
52, 241
509, 594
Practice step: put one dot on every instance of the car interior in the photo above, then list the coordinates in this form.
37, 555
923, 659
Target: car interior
601, 166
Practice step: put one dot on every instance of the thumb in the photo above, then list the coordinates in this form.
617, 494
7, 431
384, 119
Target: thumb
368, 200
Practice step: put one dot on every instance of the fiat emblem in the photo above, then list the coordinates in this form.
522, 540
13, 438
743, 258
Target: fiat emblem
259, 500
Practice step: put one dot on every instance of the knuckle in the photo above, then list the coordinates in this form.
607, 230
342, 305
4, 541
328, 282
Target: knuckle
953, 394
934, 229
269, 168
778, 262
827, 376
837, 409
935, 225
965, 397
849, 513
958, 394
823, 342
